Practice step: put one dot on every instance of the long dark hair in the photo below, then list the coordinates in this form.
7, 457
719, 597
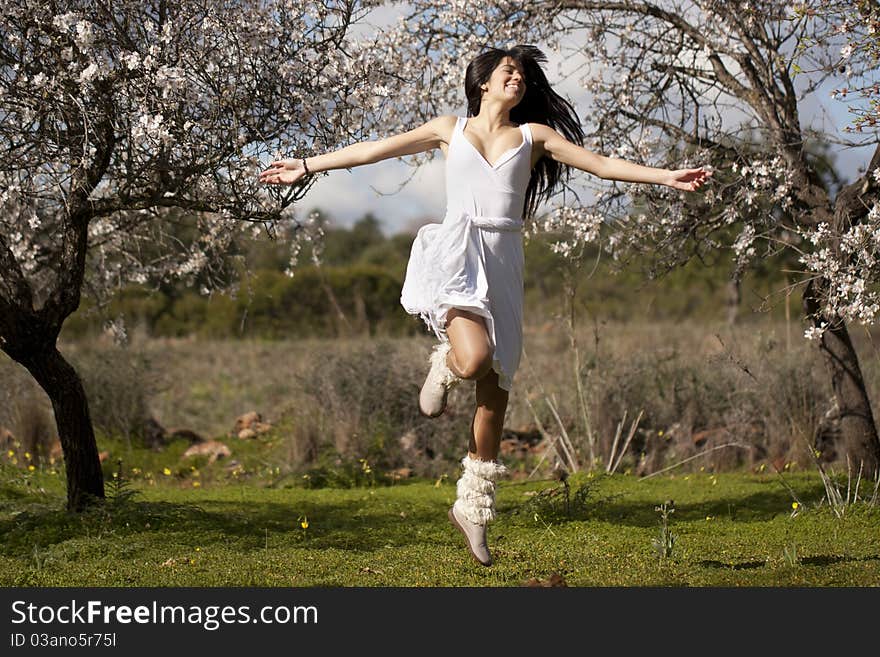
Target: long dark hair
540, 104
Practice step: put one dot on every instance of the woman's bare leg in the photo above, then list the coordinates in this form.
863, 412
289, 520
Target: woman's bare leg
471, 358
471, 353
474, 505
488, 421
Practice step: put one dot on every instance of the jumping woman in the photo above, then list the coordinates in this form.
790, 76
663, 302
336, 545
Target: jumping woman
465, 275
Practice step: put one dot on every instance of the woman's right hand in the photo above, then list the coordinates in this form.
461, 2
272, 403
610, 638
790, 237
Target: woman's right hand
283, 172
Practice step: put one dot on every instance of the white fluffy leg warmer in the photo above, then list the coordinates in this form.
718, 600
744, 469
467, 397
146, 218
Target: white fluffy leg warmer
438, 360
476, 489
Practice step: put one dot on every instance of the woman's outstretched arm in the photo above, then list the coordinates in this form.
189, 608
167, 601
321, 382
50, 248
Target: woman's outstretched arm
560, 149
425, 137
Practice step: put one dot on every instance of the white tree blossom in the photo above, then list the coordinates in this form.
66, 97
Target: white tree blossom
145, 124
851, 264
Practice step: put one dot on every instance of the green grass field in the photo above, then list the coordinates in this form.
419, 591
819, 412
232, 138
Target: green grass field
730, 529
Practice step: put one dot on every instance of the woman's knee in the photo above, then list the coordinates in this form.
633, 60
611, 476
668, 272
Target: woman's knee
475, 364
472, 351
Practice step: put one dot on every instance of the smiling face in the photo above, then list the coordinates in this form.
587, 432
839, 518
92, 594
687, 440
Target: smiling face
506, 84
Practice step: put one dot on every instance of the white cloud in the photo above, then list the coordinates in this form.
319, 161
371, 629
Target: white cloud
346, 196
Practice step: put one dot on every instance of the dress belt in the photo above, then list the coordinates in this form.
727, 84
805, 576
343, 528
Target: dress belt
502, 224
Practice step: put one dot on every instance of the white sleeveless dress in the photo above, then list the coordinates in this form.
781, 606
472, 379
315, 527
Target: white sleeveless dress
473, 260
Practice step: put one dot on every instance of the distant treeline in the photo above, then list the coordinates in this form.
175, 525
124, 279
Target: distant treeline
356, 291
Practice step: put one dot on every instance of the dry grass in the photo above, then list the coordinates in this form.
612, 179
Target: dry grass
757, 386
697, 387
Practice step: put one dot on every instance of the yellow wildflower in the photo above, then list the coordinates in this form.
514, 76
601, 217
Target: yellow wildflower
166, 471
795, 505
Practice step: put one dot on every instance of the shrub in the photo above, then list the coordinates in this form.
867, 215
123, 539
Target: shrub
694, 393
360, 400
119, 383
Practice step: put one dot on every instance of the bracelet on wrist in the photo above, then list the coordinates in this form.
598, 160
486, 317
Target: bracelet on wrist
306, 167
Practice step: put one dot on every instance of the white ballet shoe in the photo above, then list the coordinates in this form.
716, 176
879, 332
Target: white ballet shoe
474, 507
438, 383
475, 536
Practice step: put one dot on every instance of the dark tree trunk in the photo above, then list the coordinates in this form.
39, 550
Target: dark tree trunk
858, 431
85, 480
29, 337
857, 427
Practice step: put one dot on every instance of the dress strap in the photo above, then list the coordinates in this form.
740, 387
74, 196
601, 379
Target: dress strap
527, 132
458, 129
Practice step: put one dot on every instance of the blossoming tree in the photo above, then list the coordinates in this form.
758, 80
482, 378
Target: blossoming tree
115, 115
841, 260
678, 83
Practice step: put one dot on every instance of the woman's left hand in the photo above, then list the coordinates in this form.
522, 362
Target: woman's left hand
688, 180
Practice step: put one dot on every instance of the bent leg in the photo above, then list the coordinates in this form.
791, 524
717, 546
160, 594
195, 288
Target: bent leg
471, 353
488, 421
